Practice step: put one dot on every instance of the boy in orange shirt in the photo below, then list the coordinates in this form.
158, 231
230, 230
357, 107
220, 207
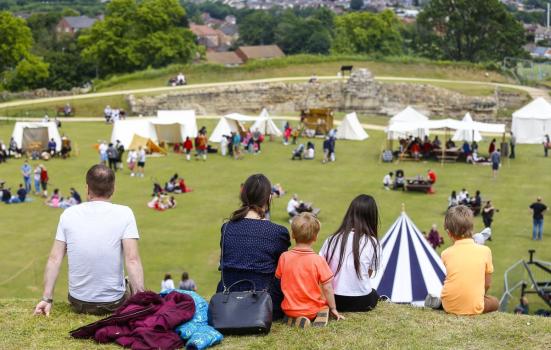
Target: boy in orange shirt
468, 269
301, 272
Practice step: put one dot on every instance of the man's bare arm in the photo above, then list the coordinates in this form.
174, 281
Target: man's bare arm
133, 264
50, 276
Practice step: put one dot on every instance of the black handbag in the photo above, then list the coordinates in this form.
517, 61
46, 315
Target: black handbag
240, 313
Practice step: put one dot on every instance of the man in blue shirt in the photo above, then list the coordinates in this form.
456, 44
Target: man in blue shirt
26, 170
496, 160
52, 147
21, 193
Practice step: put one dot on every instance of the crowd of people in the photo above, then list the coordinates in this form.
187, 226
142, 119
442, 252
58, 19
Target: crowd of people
56, 200
112, 115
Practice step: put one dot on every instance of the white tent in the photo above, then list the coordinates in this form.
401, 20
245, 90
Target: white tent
351, 129
124, 130
31, 135
186, 118
467, 134
532, 122
410, 267
409, 116
266, 125
229, 123
447, 124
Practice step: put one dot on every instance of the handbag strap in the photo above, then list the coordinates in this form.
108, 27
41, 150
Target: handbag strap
222, 255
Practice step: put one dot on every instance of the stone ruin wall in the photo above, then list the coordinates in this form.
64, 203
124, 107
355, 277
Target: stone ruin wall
360, 93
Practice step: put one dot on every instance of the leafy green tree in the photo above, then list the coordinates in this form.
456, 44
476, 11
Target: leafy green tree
365, 32
30, 73
356, 5
302, 35
135, 35
470, 30
19, 69
257, 28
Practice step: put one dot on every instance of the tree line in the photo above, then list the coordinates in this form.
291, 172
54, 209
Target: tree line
135, 35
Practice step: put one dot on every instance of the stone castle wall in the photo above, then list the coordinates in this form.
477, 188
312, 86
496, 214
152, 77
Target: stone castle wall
360, 93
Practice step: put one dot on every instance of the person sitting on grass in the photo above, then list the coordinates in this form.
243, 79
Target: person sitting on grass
187, 283
54, 200
387, 180
469, 269
97, 236
434, 237
353, 254
301, 272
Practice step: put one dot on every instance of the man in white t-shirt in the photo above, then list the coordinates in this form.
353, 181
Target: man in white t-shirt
292, 206
96, 236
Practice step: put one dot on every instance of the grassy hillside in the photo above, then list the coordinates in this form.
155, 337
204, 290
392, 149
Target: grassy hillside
305, 65
387, 327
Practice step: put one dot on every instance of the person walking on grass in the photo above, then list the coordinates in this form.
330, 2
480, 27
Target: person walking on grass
495, 157
37, 171
96, 236
513, 144
538, 208
141, 161
26, 171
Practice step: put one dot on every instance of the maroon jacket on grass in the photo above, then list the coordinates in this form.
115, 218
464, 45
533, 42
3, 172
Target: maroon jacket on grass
146, 321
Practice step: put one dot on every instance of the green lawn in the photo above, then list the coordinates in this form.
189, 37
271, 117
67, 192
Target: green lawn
187, 237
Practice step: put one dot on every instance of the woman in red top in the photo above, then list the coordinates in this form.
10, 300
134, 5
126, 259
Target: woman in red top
44, 180
492, 147
415, 150
188, 146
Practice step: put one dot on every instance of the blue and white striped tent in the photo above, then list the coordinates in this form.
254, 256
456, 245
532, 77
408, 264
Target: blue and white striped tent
410, 267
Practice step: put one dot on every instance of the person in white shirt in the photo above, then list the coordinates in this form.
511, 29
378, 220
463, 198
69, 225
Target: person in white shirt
483, 236
292, 206
181, 79
141, 161
102, 149
107, 113
132, 160
387, 181
167, 283
354, 265
224, 146
97, 236
462, 196
46, 118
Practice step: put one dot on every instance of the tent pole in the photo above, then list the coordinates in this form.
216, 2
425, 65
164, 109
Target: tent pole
444, 147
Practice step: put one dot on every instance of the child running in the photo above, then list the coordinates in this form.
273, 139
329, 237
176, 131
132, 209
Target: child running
469, 269
301, 272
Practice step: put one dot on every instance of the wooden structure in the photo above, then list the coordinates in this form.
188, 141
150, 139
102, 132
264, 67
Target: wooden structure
318, 119
345, 69
418, 185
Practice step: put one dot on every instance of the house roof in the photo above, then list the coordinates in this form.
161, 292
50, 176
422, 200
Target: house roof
202, 30
266, 51
80, 22
225, 58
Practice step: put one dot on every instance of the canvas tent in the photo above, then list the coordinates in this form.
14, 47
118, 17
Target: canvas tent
228, 124
410, 267
351, 129
467, 134
532, 122
185, 118
147, 143
31, 135
124, 131
266, 125
409, 116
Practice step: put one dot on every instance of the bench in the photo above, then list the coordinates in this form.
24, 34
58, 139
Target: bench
415, 185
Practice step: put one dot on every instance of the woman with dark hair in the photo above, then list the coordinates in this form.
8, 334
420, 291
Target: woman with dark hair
252, 244
353, 253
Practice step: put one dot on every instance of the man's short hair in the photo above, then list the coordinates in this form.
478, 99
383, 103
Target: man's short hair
459, 221
101, 181
305, 227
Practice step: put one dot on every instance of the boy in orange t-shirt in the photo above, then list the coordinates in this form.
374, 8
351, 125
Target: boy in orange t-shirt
468, 269
301, 272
